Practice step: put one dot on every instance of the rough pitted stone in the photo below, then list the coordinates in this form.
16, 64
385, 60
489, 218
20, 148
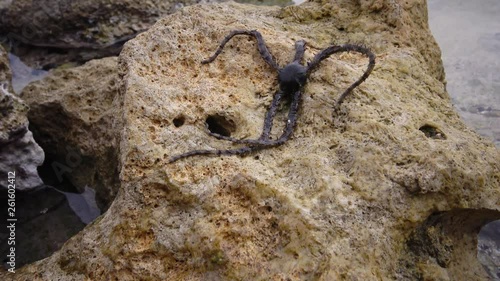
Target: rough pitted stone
19, 152
394, 187
74, 115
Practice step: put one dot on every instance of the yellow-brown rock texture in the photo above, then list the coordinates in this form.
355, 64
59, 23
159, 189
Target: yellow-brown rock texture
74, 113
392, 187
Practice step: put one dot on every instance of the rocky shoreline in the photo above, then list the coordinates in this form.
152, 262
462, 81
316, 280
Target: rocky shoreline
393, 186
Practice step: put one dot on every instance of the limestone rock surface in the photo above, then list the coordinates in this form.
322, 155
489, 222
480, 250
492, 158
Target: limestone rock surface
75, 115
19, 152
393, 187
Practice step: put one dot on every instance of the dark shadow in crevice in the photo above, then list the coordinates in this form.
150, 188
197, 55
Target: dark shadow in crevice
219, 124
447, 241
47, 216
50, 215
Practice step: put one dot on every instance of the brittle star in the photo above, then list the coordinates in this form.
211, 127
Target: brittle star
292, 78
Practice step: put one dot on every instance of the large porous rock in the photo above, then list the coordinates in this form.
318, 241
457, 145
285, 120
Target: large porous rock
75, 116
391, 187
77, 31
19, 153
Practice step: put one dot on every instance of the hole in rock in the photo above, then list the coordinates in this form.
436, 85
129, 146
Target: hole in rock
179, 121
432, 132
451, 241
219, 124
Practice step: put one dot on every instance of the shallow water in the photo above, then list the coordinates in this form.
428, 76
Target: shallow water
468, 33
22, 74
46, 219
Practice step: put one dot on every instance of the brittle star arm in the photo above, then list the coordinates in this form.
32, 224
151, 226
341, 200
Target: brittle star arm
261, 45
300, 48
238, 151
339, 49
290, 122
268, 124
289, 127
287, 133
271, 112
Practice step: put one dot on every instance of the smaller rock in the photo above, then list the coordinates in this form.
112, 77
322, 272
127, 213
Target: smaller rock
73, 115
23, 156
19, 152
